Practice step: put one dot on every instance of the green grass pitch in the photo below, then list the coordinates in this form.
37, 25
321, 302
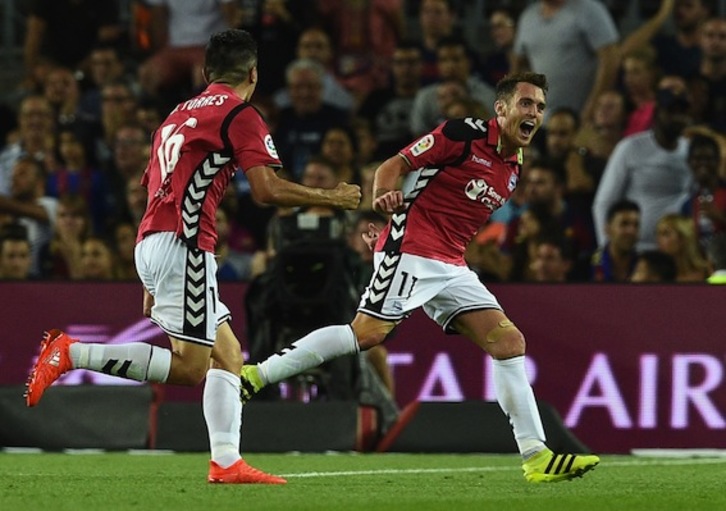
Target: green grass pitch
351, 482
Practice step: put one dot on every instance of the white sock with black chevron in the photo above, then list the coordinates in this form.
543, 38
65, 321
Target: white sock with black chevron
223, 415
312, 350
135, 360
516, 398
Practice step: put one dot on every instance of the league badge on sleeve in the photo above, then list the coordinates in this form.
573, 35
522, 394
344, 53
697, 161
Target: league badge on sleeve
270, 146
423, 145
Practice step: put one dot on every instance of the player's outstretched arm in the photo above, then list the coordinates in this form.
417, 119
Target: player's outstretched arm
387, 198
268, 188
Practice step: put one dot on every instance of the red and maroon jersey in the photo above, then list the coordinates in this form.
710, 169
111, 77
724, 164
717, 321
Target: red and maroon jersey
195, 153
458, 180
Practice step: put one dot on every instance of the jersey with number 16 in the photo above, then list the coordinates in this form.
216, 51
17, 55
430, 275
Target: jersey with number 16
194, 155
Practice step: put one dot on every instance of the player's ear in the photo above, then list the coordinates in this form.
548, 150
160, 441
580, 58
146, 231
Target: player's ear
499, 107
253, 75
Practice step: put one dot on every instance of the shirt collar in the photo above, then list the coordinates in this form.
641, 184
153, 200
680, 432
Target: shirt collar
494, 139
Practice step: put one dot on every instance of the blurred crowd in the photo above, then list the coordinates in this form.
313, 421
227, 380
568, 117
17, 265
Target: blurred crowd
626, 181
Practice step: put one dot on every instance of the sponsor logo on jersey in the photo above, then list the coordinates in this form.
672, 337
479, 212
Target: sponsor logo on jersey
481, 161
270, 146
478, 190
423, 145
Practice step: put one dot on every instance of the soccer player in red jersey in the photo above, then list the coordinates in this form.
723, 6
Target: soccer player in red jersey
195, 153
453, 178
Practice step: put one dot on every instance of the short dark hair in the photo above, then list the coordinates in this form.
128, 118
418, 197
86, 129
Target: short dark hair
507, 85
704, 141
230, 56
553, 166
557, 239
620, 206
453, 41
568, 111
33, 162
13, 232
660, 264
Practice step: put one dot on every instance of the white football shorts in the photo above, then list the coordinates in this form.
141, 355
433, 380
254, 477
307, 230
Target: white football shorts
183, 282
403, 282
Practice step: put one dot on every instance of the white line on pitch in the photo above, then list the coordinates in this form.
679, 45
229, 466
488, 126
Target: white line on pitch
391, 471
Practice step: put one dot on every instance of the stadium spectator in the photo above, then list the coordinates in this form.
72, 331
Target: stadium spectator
364, 34
536, 222
419, 262
574, 43
314, 44
105, 66
707, 204
75, 175
62, 257
560, 130
15, 253
98, 260
149, 114
545, 188
175, 252
277, 25
389, 109
63, 93
35, 136
653, 267
461, 108
598, 136
593, 145
640, 79
29, 206
676, 236
62, 31
436, 20
455, 65
615, 260
713, 72
365, 141
339, 148
552, 260
118, 108
496, 63
179, 31
301, 127
650, 168
678, 52
130, 155
135, 198
123, 244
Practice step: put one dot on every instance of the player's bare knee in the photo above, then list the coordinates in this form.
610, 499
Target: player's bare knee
189, 375
370, 333
505, 340
231, 361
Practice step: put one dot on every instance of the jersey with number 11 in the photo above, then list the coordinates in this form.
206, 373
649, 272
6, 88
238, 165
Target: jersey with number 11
194, 155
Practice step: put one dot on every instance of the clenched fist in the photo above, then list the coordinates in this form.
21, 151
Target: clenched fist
389, 202
346, 196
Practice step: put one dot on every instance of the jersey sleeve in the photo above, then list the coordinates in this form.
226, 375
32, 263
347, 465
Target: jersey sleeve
444, 145
251, 141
